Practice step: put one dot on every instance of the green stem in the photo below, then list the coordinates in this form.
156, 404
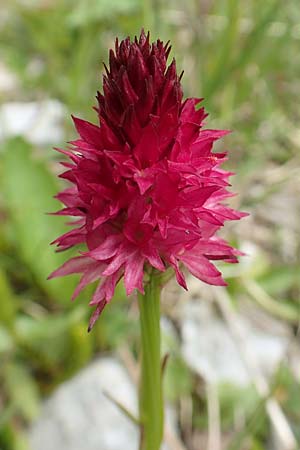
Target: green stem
151, 399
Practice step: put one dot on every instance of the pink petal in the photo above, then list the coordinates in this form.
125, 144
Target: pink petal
147, 150
201, 268
107, 249
117, 261
152, 256
133, 277
96, 314
88, 131
106, 288
74, 265
179, 275
92, 274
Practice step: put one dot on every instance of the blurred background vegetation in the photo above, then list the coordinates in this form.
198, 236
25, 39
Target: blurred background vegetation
243, 57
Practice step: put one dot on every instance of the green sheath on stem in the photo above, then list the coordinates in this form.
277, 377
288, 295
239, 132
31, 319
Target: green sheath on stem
150, 399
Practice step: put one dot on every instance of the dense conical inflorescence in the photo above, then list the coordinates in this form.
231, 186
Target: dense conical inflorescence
147, 189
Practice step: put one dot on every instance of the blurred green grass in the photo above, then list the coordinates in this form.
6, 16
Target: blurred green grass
243, 57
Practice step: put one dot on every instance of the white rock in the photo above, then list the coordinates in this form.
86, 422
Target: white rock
39, 122
211, 351
79, 416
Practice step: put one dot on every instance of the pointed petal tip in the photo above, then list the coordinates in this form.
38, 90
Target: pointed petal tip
74, 295
96, 314
244, 214
53, 274
181, 280
140, 289
185, 287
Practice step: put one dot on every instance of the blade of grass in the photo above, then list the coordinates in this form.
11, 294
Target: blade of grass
224, 69
226, 45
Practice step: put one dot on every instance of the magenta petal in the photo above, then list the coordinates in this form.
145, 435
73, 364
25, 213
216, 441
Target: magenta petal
74, 265
105, 289
96, 314
116, 263
216, 248
71, 238
133, 276
200, 267
147, 150
154, 258
88, 131
90, 275
107, 249
179, 275
144, 181
163, 226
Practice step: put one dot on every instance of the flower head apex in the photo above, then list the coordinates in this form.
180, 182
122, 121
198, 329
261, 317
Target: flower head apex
146, 188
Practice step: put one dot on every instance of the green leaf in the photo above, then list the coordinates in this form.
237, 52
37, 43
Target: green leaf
12, 438
256, 423
177, 377
28, 189
277, 280
22, 390
6, 341
285, 310
30, 331
6, 415
57, 344
8, 304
